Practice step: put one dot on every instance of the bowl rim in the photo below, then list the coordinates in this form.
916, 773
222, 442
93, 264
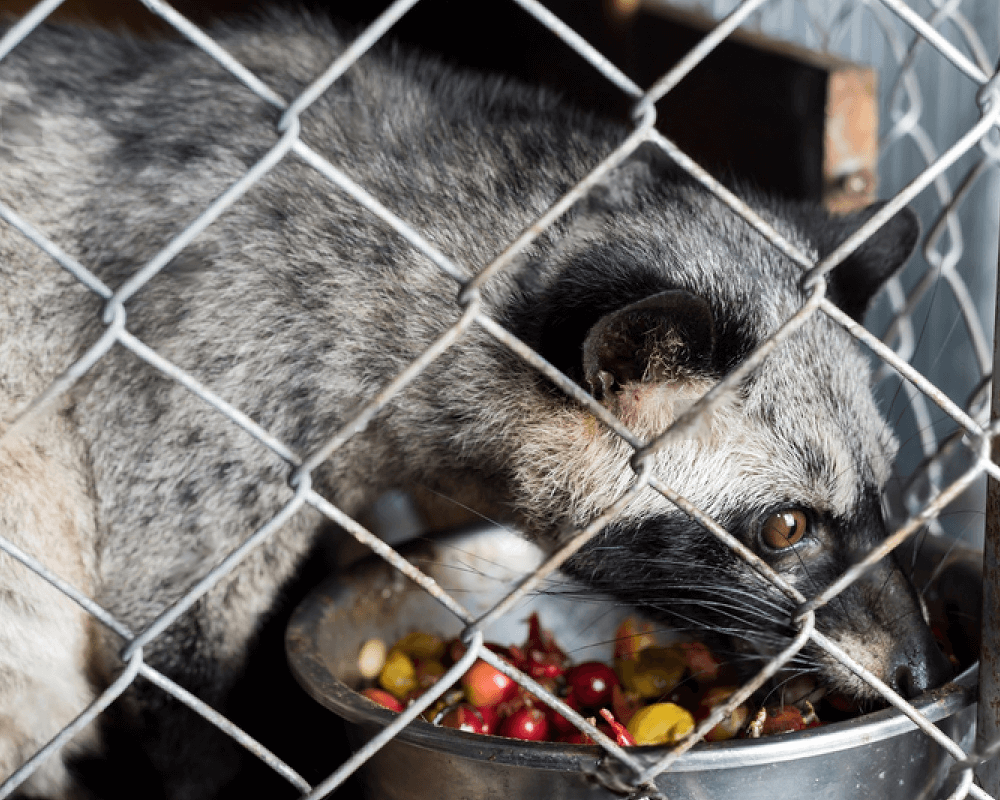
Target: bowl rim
315, 676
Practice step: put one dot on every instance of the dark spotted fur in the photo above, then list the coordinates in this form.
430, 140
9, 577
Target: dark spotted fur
296, 305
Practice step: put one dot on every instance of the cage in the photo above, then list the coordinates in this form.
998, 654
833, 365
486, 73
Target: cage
937, 107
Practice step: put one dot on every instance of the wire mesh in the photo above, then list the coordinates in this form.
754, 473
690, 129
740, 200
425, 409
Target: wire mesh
932, 57
930, 492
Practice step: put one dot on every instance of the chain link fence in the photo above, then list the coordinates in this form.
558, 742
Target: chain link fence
908, 34
943, 301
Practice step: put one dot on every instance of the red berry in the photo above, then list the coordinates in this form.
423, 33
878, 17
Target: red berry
539, 638
530, 724
455, 649
783, 720
557, 720
383, 698
485, 685
517, 657
491, 720
592, 683
700, 661
464, 717
542, 652
542, 665
624, 704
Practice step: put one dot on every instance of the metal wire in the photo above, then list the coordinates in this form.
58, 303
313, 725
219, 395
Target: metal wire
414, 710
469, 312
85, 718
220, 570
223, 724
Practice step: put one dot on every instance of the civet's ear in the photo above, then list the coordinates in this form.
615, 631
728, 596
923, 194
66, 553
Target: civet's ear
667, 336
854, 283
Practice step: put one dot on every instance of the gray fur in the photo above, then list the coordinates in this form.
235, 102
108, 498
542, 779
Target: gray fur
296, 305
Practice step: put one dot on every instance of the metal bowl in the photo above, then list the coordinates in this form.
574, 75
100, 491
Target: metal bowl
881, 755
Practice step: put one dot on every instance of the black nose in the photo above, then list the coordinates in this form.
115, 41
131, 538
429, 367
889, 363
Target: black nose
914, 662
917, 664
904, 682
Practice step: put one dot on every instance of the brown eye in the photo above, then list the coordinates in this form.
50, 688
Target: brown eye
783, 529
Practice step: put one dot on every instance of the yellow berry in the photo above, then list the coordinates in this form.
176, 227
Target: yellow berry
421, 645
398, 676
655, 672
633, 637
660, 723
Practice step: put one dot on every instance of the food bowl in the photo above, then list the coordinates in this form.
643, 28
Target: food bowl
880, 755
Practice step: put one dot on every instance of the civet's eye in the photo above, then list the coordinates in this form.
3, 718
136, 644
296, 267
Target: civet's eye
784, 528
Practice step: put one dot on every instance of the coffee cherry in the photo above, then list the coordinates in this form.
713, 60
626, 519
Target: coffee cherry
465, 717
592, 683
529, 724
660, 723
557, 720
398, 676
632, 638
383, 698
654, 674
485, 685
783, 720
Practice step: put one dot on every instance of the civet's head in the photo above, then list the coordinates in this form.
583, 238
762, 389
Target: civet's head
654, 299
